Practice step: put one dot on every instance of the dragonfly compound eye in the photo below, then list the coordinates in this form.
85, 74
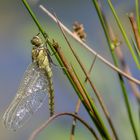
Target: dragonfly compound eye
36, 40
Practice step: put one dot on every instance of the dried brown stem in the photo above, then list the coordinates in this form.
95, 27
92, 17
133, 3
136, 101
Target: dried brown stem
135, 29
72, 75
91, 68
98, 95
74, 120
44, 125
85, 98
78, 107
91, 50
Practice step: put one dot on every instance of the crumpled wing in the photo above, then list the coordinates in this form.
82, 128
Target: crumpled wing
30, 96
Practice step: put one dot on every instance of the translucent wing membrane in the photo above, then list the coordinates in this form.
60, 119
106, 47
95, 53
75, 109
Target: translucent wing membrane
30, 96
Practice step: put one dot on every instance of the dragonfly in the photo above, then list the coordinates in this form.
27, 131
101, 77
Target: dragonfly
34, 87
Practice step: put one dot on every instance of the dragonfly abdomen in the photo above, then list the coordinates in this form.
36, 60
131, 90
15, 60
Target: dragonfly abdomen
46, 66
50, 91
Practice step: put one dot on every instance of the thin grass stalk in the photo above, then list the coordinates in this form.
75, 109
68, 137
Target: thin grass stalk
124, 34
92, 108
136, 48
74, 120
98, 95
97, 119
69, 69
78, 106
122, 85
91, 67
120, 56
95, 116
81, 96
129, 109
34, 18
89, 48
137, 14
125, 67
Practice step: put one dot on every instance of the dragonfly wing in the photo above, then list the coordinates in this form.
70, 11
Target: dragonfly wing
30, 96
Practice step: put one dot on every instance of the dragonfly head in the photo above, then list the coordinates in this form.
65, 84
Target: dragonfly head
36, 41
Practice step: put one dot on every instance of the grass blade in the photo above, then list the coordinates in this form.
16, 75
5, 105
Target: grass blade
137, 14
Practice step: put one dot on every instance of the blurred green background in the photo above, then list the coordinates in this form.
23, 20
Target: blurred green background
16, 31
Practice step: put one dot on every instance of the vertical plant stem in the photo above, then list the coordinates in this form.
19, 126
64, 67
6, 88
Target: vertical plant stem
136, 48
124, 34
97, 119
125, 67
122, 85
128, 107
78, 107
74, 120
34, 18
98, 95
137, 14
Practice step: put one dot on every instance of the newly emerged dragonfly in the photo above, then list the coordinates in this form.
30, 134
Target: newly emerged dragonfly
33, 89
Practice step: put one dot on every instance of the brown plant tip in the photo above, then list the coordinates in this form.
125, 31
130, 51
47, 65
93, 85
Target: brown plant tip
135, 29
78, 30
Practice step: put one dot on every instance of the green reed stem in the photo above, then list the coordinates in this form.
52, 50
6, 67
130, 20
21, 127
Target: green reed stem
124, 34
97, 119
122, 85
34, 18
136, 48
137, 14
